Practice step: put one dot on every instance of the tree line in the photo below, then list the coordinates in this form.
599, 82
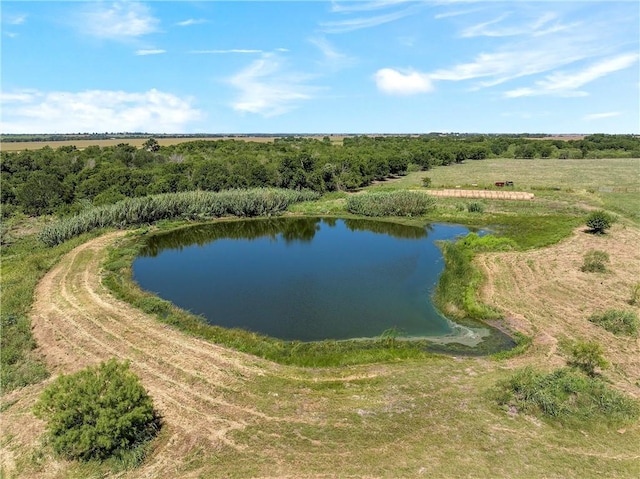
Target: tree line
66, 180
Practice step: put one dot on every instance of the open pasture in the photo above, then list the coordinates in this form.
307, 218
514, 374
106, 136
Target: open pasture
596, 175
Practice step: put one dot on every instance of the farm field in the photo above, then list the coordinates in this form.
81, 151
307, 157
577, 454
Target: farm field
228, 414
137, 142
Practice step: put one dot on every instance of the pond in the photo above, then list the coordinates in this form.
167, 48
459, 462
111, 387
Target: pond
306, 279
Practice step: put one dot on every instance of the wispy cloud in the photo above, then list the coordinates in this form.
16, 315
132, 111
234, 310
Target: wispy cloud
395, 82
498, 67
365, 6
455, 13
332, 58
351, 24
568, 83
267, 87
150, 52
224, 52
545, 24
192, 21
16, 19
118, 21
96, 111
600, 116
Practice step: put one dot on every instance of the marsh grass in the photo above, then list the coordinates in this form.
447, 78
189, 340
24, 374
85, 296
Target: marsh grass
192, 205
390, 203
566, 395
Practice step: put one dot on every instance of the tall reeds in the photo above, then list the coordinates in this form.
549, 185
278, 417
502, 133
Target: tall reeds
193, 205
391, 203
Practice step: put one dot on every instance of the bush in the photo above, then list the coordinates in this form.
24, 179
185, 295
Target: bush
97, 413
587, 356
599, 221
595, 261
426, 181
617, 321
394, 203
475, 207
565, 394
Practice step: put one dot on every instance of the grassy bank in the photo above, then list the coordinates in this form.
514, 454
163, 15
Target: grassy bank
24, 263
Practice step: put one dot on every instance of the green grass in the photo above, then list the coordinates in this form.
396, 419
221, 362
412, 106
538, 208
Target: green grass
24, 263
621, 322
566, 395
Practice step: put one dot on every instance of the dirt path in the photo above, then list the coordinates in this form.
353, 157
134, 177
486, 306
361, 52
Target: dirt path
198, 387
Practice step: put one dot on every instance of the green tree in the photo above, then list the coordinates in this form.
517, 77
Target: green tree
97, 413
41, 193
151, 145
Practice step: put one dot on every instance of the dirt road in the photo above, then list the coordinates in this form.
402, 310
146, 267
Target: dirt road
196, 386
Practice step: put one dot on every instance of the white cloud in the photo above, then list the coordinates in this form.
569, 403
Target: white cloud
600, 116
150, 52
191, 21
267, 88
394, 82
118, 21
18, 96
96, 111
567, 83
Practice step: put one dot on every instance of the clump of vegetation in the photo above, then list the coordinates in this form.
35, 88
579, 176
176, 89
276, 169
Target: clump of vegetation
475, 207
617, 321
567, 395
193, 205
599, 221
477, 243
426, 181
98, 413
587, 356
391, 203
595, 261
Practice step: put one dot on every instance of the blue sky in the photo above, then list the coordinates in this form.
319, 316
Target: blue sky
379, 66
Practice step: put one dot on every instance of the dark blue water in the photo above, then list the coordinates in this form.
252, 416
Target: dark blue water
302, 279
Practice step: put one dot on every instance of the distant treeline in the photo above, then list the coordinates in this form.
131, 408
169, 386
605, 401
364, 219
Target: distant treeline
67, 180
